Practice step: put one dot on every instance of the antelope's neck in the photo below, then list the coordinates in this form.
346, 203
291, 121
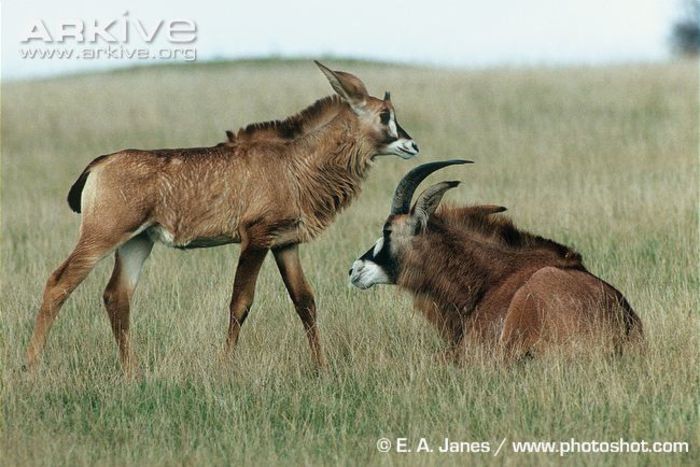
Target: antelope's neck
330, 165
448, 272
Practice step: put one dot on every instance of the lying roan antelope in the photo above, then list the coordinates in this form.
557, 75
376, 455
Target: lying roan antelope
272, 186
480, 280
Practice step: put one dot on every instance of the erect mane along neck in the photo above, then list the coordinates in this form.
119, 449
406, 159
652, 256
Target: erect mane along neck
317, 115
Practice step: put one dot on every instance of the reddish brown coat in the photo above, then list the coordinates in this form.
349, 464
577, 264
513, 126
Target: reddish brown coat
269, 187
482, 281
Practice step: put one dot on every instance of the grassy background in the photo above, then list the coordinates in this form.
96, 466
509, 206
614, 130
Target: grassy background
604, 159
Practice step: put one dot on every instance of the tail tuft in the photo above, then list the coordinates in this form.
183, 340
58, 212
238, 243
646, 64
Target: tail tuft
76, 191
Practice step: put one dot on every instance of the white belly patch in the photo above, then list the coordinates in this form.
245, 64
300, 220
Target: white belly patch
161, 235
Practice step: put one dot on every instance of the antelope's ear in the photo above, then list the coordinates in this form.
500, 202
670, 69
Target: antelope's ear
348, 86
487, 209
427, 203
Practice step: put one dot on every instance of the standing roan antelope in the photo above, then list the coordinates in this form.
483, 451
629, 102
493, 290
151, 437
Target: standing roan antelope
272, 186
480, 280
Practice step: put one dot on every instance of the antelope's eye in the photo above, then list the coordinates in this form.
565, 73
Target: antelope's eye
384, 117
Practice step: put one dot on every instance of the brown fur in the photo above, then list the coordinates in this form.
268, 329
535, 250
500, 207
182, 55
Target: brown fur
271, 186
309, 119
501, 230
481, 281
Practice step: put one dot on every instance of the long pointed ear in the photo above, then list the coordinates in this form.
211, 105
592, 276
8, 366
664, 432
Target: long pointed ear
427, 203
482, 210
348, 86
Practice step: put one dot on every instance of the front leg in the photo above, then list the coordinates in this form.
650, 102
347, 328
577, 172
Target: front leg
446, 356
456, 351
452, 355
287, 259
249, 263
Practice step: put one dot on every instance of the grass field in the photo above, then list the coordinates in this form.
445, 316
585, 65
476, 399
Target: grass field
604, 159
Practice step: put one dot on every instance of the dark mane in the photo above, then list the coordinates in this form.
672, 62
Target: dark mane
316, 115
500, 229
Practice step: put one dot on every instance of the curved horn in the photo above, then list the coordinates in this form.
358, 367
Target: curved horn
428, 201
408, 184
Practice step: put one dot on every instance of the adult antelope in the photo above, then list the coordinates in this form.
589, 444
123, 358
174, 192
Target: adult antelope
480, 280
272, 186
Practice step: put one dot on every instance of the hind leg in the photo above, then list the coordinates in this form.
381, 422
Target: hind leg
61, 283
128, 263
522, 326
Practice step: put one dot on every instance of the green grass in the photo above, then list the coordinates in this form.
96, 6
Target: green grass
604, 159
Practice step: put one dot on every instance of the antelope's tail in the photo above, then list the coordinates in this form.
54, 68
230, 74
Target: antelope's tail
76, 191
